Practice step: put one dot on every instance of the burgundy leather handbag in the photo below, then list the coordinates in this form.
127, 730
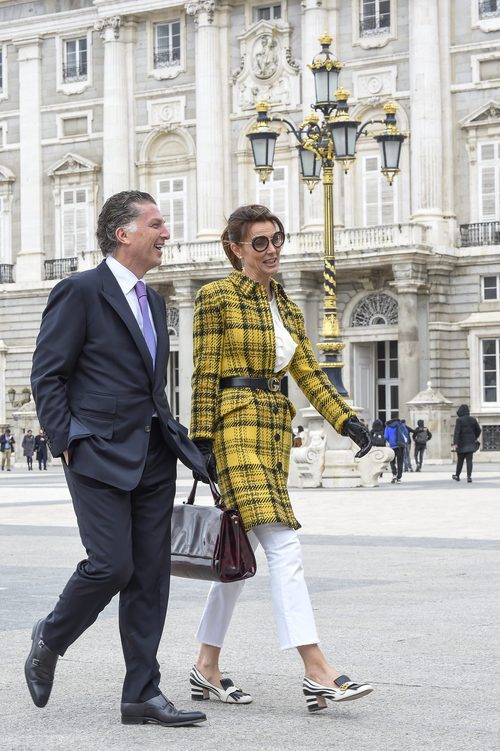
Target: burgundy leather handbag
210, 542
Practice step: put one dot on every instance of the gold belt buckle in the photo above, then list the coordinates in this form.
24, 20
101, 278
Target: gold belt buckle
273, 384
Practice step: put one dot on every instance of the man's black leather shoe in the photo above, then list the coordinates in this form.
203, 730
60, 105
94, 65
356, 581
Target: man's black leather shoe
160, 711
40, 666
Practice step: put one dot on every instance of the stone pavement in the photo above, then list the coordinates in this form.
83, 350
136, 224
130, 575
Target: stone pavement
404, 580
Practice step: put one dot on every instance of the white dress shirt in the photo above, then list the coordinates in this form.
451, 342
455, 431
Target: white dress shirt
127, 281
285, 345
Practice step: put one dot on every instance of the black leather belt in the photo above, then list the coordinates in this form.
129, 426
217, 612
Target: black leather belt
235, 382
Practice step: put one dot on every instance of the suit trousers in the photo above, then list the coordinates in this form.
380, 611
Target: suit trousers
291, 603
126, 535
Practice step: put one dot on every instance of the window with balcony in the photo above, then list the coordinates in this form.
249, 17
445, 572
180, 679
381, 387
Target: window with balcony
489, 8
374, 17
75, 222
489, 181
267, 13
490, 288
274, 193
491, 371
379, 198
167, 44
75, 60
172, 202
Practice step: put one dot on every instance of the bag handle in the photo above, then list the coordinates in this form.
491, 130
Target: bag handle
216, 495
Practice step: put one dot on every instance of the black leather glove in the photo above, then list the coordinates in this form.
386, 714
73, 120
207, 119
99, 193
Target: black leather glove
359, 434
204, 446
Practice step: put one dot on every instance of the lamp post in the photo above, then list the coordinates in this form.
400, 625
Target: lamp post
324, 139
25, 397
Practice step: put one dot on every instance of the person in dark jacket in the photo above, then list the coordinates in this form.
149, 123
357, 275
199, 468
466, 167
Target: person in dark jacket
377, 433
421, 435
397, 436
28, 446
41, 450
465, 442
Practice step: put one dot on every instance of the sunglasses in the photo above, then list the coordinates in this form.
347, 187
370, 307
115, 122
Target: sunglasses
261, 242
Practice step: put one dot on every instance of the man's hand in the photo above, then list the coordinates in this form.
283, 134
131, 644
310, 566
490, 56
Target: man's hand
204, 445
359, 434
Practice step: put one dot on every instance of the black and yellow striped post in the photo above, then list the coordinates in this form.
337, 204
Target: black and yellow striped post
331, 346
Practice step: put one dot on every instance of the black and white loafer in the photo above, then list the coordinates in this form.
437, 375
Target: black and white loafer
229, 693
344, 690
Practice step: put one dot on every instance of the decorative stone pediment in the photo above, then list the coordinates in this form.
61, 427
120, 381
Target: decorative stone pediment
72, 164
487, 114
267, 68
6, 175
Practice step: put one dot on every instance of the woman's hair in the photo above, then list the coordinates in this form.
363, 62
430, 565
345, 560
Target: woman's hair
238, 223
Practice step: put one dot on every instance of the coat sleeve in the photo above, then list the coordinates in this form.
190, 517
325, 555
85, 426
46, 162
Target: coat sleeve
208, 337
58, 347
456, 434
313, 382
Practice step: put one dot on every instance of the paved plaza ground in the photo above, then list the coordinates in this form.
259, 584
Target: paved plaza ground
404, 581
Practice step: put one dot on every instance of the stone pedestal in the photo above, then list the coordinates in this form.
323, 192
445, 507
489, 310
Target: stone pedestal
435, 410
374, 464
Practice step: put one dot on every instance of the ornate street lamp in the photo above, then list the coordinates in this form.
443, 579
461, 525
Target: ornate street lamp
322, 141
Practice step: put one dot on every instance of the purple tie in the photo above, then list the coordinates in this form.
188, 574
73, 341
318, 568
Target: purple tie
147, 326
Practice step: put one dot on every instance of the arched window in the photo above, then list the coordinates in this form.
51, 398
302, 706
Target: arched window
375, 310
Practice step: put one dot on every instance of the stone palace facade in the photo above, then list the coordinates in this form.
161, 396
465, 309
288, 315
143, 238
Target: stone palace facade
98, 96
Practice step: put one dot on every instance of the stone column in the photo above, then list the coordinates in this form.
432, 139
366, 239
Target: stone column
210, 146
407, 280
426, 125
116, 111
30, 259
184, 294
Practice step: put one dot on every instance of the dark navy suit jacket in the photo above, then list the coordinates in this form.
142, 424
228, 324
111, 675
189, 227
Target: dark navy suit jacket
94, 384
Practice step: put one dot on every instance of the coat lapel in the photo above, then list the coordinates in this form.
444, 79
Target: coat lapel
115, 297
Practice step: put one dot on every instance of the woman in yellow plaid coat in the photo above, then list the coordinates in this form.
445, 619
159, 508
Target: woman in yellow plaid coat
247, 335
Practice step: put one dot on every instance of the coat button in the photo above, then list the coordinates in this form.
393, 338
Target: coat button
276, 410
279, 465
148, 428
277, 436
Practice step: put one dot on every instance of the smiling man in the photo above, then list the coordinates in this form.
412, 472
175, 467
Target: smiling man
98, 379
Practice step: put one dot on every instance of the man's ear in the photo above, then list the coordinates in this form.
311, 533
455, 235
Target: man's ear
122, 236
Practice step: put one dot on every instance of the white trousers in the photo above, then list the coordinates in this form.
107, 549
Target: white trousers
291, 603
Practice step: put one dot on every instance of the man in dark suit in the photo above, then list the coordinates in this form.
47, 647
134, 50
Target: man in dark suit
98, 379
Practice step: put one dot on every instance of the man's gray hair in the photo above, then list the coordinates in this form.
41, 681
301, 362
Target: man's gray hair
120, 210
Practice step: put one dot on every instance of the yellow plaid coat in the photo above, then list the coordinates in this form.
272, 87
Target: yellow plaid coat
233, 335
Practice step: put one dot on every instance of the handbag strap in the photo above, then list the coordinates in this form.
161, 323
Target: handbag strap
216, 495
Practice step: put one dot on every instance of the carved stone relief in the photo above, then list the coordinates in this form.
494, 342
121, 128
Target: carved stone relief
267, 68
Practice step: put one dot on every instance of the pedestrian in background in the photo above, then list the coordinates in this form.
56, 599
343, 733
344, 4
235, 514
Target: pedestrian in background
28, 446
407, 467
7, 443
465, 440
421, 435
396, 435
377, 433
247, 334
41, 450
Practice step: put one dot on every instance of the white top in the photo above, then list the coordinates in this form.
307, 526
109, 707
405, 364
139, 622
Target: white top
127, 281
285, 346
